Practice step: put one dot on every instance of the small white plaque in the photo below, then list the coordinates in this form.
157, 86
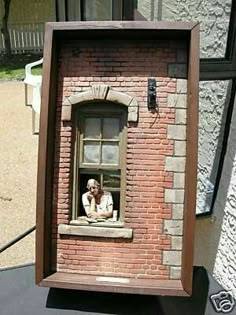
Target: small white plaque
113, 279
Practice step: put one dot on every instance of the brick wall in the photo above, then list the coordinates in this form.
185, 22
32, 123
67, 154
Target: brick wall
155, 160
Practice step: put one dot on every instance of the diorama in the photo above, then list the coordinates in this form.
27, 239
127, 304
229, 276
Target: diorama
118, 157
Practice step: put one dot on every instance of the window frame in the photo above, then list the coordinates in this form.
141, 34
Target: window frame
101, 109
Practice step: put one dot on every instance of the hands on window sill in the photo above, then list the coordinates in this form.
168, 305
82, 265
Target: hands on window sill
109, 222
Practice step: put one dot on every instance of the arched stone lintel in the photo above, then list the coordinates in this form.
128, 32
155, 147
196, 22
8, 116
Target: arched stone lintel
100, 92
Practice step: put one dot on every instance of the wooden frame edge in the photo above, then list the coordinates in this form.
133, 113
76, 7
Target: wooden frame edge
191, 161
45, 156
122, 25
74, 282
42, 216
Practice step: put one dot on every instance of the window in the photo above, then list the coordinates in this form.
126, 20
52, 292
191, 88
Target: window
100, 153
94, 10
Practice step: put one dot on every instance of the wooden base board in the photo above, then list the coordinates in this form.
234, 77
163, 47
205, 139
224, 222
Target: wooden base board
114, 284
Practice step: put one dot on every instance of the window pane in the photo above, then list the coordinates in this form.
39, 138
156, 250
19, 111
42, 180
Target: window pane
73, 9
111, 128
213, 107
111, 181
91, 152
92, 128
110, 153
97, 10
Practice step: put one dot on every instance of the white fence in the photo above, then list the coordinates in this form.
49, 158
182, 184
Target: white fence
25, 37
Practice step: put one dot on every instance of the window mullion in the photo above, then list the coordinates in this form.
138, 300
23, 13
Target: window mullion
101, 138
81, 148
101, 180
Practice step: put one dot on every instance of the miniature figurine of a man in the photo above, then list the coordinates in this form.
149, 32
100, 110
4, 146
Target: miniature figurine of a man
98, 204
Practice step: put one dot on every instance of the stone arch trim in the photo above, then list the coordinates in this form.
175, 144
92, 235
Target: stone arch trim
100, 92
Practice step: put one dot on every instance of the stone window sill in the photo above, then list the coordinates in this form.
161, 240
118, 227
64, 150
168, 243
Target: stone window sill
103, 223
98, 229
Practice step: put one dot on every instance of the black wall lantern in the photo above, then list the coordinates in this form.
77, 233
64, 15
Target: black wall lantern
151, 101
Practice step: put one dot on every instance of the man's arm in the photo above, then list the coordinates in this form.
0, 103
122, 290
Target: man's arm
88, 203
108, 213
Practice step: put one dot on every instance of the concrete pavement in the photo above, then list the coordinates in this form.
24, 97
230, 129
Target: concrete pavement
18, 169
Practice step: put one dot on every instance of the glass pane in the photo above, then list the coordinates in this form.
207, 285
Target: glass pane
213, 17
111, 128
91, 152
213, 106
92, 128
95, 10
111, 181
110, 153
73, 9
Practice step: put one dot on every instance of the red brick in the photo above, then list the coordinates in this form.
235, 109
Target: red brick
122, 68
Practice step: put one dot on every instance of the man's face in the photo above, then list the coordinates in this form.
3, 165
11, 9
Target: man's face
93, 190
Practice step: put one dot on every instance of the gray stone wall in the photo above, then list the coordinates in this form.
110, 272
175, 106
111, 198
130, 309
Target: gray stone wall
176, 164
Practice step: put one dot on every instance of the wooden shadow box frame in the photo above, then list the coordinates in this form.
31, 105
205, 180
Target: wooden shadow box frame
54, 35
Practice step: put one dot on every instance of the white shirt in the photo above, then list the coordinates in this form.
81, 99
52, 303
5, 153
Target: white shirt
105, 202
